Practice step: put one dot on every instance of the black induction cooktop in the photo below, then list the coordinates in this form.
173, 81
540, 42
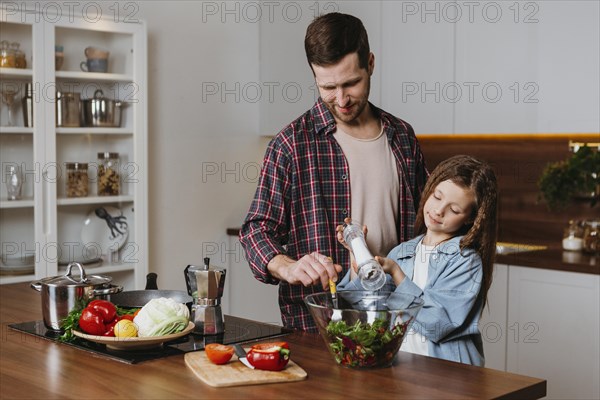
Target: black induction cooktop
237, 330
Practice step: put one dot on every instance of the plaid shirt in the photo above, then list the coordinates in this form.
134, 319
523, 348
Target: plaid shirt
304, 193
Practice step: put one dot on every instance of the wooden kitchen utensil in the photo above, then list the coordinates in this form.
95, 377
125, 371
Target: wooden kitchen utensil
234, 373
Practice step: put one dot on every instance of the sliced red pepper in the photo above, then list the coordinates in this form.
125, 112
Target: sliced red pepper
269, 356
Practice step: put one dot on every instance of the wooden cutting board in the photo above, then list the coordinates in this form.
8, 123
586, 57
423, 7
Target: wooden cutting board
234, 373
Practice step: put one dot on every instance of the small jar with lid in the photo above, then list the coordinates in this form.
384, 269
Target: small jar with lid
591, 237
7, 55
20, 60
573, 236
108, 174
77, 179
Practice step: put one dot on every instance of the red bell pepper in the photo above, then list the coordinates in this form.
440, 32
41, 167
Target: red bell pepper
92, 322
269, 356
106, 308
99, 318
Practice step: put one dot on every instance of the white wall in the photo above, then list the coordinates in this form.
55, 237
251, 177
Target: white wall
204, 150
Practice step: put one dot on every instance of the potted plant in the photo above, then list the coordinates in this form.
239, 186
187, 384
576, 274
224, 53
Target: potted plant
577, 177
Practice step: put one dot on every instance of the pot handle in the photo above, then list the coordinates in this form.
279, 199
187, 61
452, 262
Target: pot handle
82, 276
107, 291
37, 285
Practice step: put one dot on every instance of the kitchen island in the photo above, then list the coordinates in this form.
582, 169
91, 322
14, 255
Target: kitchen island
32, 367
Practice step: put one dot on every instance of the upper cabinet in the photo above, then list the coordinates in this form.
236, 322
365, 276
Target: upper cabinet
453, 67
417, 71
84, 93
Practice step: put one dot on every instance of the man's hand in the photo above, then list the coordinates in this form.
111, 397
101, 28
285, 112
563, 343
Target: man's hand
311, 269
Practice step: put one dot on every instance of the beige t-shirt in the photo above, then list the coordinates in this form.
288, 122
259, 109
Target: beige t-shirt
374, 188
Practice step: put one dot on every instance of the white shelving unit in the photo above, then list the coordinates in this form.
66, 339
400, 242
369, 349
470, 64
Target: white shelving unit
45, 222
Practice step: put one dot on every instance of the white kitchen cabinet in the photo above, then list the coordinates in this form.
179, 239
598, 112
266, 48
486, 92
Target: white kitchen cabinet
417, 66
46, 223
493, 320
554, 330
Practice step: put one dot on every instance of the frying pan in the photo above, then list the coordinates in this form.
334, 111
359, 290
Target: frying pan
139, 298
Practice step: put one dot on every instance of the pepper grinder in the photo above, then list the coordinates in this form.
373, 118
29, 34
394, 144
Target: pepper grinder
370, 273
205, 284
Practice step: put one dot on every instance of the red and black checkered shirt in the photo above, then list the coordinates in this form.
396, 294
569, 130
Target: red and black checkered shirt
304, 193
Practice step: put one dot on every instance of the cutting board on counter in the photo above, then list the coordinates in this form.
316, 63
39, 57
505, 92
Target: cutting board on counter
234, 373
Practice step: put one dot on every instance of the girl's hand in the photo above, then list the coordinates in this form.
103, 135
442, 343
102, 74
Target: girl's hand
390, 267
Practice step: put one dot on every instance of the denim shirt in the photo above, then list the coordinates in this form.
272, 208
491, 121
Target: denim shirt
452, 301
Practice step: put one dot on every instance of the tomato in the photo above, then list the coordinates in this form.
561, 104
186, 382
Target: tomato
126, 316
218, 353
109, 328
272, 356
105, 308
92, 322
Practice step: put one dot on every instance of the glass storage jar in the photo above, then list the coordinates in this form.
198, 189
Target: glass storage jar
573, 236
108, 174
77, 179
20, 60
591, 237
7, 55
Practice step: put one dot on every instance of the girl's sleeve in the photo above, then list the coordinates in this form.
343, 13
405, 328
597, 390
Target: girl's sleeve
450, 300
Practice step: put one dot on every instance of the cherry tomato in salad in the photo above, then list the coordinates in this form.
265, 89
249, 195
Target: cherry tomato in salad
218, 353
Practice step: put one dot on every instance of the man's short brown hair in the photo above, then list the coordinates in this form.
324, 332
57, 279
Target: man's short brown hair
330, 37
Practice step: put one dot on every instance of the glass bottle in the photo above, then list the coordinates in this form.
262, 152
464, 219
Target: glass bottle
108, 174
77, 179
14, 182
370, 273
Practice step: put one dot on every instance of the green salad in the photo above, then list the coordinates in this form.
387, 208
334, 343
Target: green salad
363, 344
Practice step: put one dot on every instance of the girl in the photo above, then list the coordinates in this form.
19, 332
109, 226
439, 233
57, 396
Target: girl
449, 264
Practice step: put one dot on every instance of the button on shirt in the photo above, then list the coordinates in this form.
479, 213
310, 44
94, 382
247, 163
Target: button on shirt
302, 196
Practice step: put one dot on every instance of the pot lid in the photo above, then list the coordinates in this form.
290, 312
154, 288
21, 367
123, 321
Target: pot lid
68, 279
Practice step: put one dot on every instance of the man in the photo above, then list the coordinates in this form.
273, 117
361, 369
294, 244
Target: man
344, 157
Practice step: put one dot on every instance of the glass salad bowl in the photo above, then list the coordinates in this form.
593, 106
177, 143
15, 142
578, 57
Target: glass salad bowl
364, 329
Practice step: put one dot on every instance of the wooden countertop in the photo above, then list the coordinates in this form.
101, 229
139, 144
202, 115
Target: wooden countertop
551, 258
555, 258
32, 367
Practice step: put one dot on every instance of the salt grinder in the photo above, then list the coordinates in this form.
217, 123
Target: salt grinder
205, 284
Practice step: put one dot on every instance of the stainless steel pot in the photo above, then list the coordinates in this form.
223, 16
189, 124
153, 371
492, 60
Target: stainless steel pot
68, 109
60, 294
102, 112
